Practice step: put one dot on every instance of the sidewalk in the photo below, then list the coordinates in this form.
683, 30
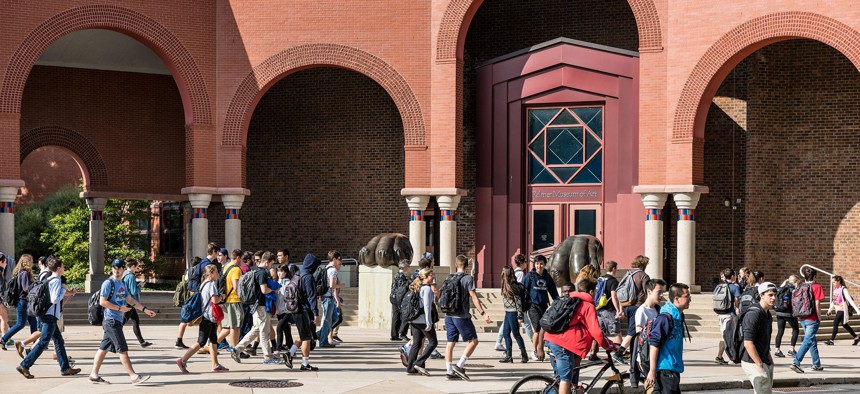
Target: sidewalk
366, 363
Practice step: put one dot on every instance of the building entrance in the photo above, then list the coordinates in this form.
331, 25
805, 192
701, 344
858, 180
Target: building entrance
549, 224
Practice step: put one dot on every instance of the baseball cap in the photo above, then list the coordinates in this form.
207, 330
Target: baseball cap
764, 287
118, 263
224, 251
427, 255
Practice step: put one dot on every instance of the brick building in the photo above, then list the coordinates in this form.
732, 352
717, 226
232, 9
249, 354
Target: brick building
702, 134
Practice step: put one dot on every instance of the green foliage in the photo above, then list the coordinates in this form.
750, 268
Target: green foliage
32, 219
67, 235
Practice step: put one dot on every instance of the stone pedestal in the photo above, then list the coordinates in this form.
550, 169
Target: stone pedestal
7, 220
447, 229
232, 223
374, 309
653, 203
199, 223
417, 227
686, 203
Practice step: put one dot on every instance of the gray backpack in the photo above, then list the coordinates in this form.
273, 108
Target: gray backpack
723, 301
627, 292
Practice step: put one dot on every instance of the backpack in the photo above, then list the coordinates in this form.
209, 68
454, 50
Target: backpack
557, 318
95, 310
222, 283
321, 280
398, 289
783, 299
193, 276
734, 337
290, 291
410, 306
749, 298
39, 298
801, 301
451, 295
11, 291
192, 310
643, 344
601, 296
627, 292
723, 300
248, 289
180, 295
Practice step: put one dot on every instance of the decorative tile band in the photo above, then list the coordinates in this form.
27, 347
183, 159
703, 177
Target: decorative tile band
232, 214
7, 207
416, 215
653, 214
200, 213
687, 214
449, 215
96, 215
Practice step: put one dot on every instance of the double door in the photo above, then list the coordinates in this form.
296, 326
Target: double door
550, 224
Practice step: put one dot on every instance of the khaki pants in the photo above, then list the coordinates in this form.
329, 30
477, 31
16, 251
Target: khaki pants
762, 382
262, 328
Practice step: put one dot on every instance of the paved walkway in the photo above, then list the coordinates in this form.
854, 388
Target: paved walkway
366, 363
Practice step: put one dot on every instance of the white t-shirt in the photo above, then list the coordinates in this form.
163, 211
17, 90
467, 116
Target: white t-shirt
644, 314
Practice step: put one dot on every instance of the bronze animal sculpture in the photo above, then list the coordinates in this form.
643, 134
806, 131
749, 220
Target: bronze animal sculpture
571, 255
385, 250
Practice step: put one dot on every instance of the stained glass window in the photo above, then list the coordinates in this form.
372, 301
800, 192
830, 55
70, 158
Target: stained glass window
565, 145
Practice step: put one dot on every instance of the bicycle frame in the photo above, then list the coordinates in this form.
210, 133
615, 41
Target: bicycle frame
608, 364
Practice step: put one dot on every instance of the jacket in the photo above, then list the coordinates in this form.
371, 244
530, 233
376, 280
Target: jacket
670, 356
306, 283
540, 288
583, 328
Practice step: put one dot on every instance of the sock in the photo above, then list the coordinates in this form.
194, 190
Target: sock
450, 368
462, 362
94, 376
293, 350
136, 376
179, 340
306, 361
274, 343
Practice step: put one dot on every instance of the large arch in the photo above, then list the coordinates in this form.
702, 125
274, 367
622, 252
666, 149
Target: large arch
288, 61
182, 65
455, 23
95, 171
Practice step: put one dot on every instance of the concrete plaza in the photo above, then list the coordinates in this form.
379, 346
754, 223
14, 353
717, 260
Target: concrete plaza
366, 363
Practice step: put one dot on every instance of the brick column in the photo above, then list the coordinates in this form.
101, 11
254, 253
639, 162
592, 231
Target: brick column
654, 232
199, 222
686, 203
417, 227
232, 223
7, 219
96, 274
448, 229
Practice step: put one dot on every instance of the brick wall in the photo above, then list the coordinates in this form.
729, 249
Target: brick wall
325, 166
45, 171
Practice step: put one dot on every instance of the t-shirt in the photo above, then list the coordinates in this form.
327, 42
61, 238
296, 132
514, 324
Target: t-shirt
330, 272
130, 281
639, 280
118, 299
207, 290
519, 274
817, 295
757, 327
644, 314
611, 285
231, 275
467, 284
261, 277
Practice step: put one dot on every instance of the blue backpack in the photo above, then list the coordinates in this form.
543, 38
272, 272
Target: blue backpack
192, 311
601, 297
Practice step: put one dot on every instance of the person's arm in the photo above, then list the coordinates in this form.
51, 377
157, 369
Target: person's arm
264, 283
57, 291
553, 292
659, 330
478, 306
652, 372
332, 282
427, 300
136, 305
619, 312
818, 301
589, 315
540, 351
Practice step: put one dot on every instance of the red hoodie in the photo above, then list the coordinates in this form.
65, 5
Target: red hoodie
583, 328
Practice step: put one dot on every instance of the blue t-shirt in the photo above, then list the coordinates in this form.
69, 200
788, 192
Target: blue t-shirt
118, 299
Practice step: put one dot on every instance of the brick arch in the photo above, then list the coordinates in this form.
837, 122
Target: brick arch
722, 57
455, 23
270, 71
95, 168
185, 72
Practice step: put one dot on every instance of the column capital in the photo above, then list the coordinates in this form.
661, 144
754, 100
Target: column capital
654, 200
686, 200
448, 202
96, 204
417, 203
233, 201
199, 200
8, 193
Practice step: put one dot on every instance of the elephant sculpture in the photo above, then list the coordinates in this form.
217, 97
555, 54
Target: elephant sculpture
385, 250
572, 254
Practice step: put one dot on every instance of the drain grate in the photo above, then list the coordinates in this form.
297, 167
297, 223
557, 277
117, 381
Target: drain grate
791, 389
479, 366
266, 384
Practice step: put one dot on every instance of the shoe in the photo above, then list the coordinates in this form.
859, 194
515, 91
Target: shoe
140, 379
203, 350
288, 359
507, 358
180, 346
436, 355
335, 341
10, 342
619, 359
24, 371
394, 339
98, 380
461, 372
412, 372
403, 338
720, 361
500, 347
524, 356
328, 346
250, 352
19, 346
272, 361
71, 372
3, 345
337, 338
818, 368
183, 367
828, 342
234, 354
452, 377
244, 355
223, 346
779, 353
422, 371
146, 344
220, 368
791, 353
403, 356
856, 341
593, 357
796, 368
534, 355
308, 368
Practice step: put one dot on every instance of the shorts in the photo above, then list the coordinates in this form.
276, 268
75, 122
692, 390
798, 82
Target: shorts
535, 313
233, 315
460, 328
208, 332
609, 325
113, 339
724, 321
303, 326
565, 362
667, 382
630, 313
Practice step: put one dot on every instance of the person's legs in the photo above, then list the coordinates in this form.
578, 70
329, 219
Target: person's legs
515, 331
265, 323
534, 315
49, 325
846, 326
836, 324
418, 338
795, 330
506, 331
4, 319
395, 323
564, 364
126, 364
59, 347
780, 330
135, 325
254, 333
432, 342
813, 346
98, 359
20, 320
528, 326
806, 344
328, 306
667, 382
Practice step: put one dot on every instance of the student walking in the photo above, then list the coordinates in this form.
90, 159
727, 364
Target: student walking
423, 326
262, 323
637, 278
810, 323
784, 315
23, 275
209, 323
459, 325
517, 260
116, 302
609, 312
667, 342
283, 333
516, 303
49, 329
840, 302
399, 286
330, 300
540, 286
129, 279
757, 326
646, 312
726, 299
193, 275
5, 273
308, 317
233, 312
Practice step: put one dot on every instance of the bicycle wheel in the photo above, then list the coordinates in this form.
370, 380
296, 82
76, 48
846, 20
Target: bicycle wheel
607, 388
535, 384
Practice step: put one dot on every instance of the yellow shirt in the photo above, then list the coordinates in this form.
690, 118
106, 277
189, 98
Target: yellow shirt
234, 274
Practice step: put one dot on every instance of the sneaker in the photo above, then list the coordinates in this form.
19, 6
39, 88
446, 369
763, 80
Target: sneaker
337, 338
720, 361
183, 367
308, 368
779, 353
72, 362
288, 359
71, 372
828, 342
403, 356
452, 377
436, 355
856, 341
235, 356
413, 372
534, 355
180, 346
619, 359
139, 379
98, 380
220, 368
272, 361
422, 371
203, 350
223, 346
251, 352
593, 357
796, 368
791, 353
244, 355
10, 342
3, 345
500, 347
146, 344
818, 368
328, 345
19, 346
335, 341
24, 371
461, 372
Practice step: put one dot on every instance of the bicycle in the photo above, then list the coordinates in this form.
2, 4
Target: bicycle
544, 384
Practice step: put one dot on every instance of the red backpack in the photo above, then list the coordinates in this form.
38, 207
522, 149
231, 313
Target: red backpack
801, 301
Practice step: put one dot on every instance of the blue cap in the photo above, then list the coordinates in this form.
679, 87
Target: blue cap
224, 251
427, 255
118, 263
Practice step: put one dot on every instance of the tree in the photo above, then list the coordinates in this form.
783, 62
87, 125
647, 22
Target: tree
32, 219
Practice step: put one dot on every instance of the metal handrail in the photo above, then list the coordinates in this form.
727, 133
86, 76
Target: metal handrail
831, 275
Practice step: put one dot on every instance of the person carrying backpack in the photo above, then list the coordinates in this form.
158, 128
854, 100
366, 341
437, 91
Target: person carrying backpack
308, 316
631, 296
233, 311
129, 278
458, 324
262, 323
666, 342
807, 299
209, 323
609, 312
193, 275
399, 286
726, 299
516, 304
329, 299
646, 312
424, 325
288, 304
540, 287
5, 273
783, 315
842, 305
757, 327
23, 279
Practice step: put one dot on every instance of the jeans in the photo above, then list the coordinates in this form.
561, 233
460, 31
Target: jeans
50, 331
528, 325
810, 343
512, 326
21, 320
328, 307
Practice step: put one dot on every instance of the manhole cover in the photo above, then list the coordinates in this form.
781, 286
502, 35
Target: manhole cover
265, 384
479, 366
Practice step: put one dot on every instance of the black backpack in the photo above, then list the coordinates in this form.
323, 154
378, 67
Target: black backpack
734, 336
222, 283
410, 307
451, 295
399, 287
643, 344
783, 299
11, 291
557, 318
321, 280
95, 311
39, 298
749, 297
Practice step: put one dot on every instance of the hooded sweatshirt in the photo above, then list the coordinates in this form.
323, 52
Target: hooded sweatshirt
540, 288
669, 358
306, 283
583, 328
